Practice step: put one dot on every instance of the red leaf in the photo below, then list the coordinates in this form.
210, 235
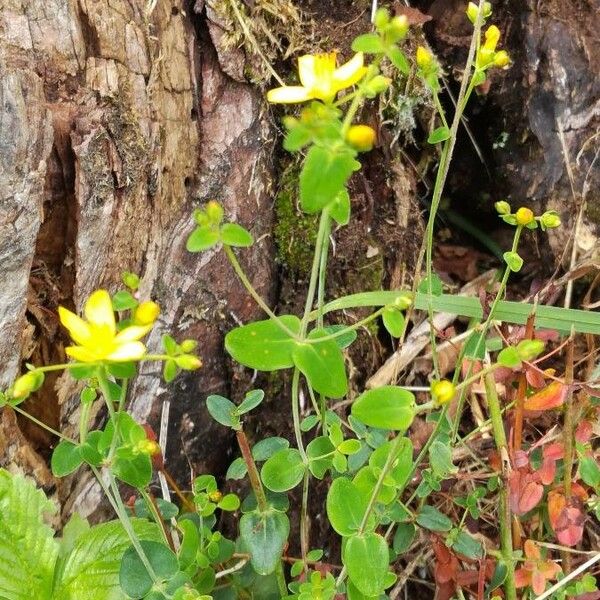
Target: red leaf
535, 378
584, 432
550, 397
569, 526
524, 492
548, 470
555, 451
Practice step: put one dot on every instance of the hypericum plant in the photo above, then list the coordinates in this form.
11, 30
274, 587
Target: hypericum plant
157, 550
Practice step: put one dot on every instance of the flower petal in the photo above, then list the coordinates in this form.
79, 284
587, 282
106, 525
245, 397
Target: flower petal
78, 329
132, 333
351, 72
81, 354
98, 310
306, 70
128, 351
288, 94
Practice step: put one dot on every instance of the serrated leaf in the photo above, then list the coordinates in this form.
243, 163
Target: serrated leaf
91, 570
28, 550
263, 345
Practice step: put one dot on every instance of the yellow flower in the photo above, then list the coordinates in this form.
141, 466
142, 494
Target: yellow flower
492, 37
97, 338
361, 137
524, 216
502, 59
442, 391
146, 313
424, 58
320, 79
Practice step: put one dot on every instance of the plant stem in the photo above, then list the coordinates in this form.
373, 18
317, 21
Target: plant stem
568, 432
252, 291
296, 414
151, 503
506, 542
304, 522
42, 424
261, 498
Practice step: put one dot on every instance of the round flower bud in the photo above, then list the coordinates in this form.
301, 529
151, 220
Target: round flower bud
424, 58
399, 26
149, 447
502, 59
502, 207
215, 496
188, 362
131, 280
550, 219
382, 18
473, 9
201, 218
146, 313
361, 137
188, 345
214, 211
442, 391
24, 385
524, 216
530, 349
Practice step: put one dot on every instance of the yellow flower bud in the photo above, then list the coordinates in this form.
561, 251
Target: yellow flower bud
524, 216
214, 211
485, 57
131, 280
399, 25
26, 384
492, 37
424, 58
473, 9
188, 362
550, 219
361, 137
502, 207
149, 447
146, 313
442, 391
502, 59
189, 345
215, 496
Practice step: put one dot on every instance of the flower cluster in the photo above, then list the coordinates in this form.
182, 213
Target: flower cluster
524, 217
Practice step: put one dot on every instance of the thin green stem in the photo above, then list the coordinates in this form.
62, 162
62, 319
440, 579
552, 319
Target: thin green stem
353, 327
323, 274
157, 517
304, 524
42, 424
506, 542
252, 291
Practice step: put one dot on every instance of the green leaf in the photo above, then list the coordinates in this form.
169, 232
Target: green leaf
509, 357
403, 538
513, 260
346, 506
66, 458
320, 454
169, 370
222, 410
366, 558
91, 570
322, 364
349, 447
589, 471
28, 550
440, 459
190, 544
263, 345
468, 546
339, 209
475, 346
401, 463
344, 339
134, 578
478, 78
441, 134
136, 470
264, 535
233, 234
393, 321
229, 502
123, 300
122, 370
252, 399
398, 59
237, 469
324, 175
369, 43
431, 518
437, 287
202, 238
267, 447
387, 407
283, 471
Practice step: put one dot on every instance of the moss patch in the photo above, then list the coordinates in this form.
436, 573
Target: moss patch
295, 232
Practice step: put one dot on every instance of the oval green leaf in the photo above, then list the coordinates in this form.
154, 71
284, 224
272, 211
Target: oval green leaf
66, 458
387, 407
346, 506
233, 234
264, 535
283, 471
366, 558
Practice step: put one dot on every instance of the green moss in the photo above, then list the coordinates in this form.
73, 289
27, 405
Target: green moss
592, 210
295, 232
